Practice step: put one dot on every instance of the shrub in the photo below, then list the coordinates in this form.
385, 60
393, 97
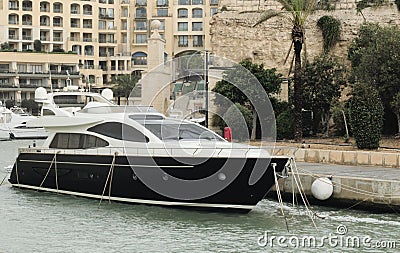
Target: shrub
285, 124
233, 118
37, 45
366, 116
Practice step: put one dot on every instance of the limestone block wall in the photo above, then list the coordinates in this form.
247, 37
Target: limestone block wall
233, 36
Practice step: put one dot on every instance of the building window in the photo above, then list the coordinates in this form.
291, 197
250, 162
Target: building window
197, 40
27, 6
183, 13
22, 68
75, 8
36, 68
162, 12
213, 2
77, 141
213, 11
182, 26
141, 25
162, 2
197, 26
197, 13
141, 3
184, 2
183, 41
139, 58
102, 24
197, 2
141, 13
141, 38
119, 131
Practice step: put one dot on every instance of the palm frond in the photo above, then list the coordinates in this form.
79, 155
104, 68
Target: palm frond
267, 15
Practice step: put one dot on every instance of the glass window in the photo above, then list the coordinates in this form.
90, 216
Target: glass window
213, 2
76, 141
183, 13
197, 13
213, 11
102, 24
22, 68
182, 26
140, 25
119, 131
141, 38
184, 2
173, 131
162, 12
139, 58
36, 68
183, 41
162, 2
197, 40
196, 2
141, 13
197, 26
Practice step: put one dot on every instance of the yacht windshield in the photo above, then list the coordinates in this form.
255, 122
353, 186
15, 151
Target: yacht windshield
181, 132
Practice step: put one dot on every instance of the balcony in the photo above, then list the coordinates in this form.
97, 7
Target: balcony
89, 53
125, 2
27, 8
57, 24
58, 39
87, 39
57, 10
44, 23
12, 22
44, 38
87, 25
13, 8
26, 37
13, 37
26, 22
44, 9
87, 12
74, 25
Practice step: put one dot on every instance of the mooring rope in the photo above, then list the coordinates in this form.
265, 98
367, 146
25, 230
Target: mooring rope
48, 171
109, 177
278, 192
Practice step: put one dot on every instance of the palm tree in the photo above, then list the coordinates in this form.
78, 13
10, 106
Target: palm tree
125, 85
296, 13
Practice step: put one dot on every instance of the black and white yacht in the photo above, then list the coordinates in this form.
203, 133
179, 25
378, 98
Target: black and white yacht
137, 155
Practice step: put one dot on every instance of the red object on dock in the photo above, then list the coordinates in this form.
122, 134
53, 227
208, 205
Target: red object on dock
228, 133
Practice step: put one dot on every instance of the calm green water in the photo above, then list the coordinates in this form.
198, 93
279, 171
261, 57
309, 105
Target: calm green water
43, 222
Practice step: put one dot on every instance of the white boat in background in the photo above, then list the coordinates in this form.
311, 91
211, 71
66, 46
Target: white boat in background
13, 125
71, 100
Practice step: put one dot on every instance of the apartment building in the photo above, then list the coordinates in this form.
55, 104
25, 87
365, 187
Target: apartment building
106, 37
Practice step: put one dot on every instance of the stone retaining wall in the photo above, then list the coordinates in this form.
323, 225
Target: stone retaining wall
371, 158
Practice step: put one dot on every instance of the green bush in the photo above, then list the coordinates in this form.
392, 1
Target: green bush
37, 45
233, 118
285, 125
366, 116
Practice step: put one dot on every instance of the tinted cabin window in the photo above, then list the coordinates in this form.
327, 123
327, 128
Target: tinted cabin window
77, 141
47, 112
119, 131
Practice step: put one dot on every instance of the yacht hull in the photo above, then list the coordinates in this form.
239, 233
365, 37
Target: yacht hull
86, 176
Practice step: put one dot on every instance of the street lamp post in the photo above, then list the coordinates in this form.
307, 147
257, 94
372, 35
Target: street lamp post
206, 89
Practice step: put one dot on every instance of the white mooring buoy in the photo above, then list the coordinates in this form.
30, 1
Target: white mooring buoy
322, 188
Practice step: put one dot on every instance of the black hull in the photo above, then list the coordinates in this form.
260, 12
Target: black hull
86, 176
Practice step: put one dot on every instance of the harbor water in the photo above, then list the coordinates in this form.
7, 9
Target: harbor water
33, 221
